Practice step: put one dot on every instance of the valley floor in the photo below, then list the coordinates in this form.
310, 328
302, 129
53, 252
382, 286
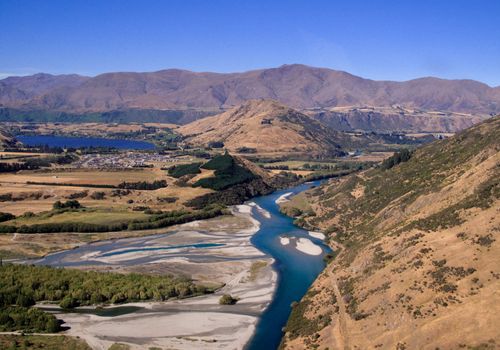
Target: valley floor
192, 323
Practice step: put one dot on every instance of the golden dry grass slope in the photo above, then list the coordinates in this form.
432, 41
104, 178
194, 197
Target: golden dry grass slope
266, 126
419, 261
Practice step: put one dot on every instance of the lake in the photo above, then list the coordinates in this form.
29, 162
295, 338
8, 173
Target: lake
78, 142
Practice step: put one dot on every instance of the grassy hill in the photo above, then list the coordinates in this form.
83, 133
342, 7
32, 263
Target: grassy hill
265, 126
232, 178
418, 263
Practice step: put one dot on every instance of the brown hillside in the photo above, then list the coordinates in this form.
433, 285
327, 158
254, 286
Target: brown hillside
5, 138
295, 85
266, 126
419, 262
394, 118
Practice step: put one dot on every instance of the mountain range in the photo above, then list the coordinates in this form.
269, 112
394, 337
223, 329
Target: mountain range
295, 85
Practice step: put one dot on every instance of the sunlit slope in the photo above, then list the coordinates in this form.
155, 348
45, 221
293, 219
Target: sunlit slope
265, 126
419, 262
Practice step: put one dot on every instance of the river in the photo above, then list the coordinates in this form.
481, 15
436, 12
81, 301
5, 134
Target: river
296, 270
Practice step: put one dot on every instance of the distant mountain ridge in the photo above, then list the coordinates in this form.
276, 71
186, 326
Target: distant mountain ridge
394, 119
297, 86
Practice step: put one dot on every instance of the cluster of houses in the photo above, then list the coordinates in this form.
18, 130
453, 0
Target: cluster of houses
121, 160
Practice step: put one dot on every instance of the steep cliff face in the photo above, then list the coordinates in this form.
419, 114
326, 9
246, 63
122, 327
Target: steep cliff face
419, 254
390, 119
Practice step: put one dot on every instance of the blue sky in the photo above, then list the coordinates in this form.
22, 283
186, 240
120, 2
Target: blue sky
383, 40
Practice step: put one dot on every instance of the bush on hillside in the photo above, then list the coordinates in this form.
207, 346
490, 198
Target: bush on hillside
69, 204
399, 157
6, 216
143, 185
227, 173
180, 170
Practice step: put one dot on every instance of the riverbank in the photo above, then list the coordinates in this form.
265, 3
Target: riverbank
199, 322
242, 252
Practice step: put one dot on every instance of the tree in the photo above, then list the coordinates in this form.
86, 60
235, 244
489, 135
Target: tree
68, 303
25, 300
52, 325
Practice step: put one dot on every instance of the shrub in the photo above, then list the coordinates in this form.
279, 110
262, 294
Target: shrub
167, 199
216, 144
69, 204
399, 157
6, 216
69, 303
98, 195
246, 150
143, 185
180, 170
227, 299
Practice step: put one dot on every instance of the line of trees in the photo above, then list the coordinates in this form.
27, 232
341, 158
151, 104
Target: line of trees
34, 163
15, 318
399, 157
23, 285
156, 221
143, 185
68, 184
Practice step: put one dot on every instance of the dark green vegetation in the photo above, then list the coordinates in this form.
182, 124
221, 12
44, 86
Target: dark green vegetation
155, 221
6, 216
233, 182
37, 342
178, 171
399, 157
23, 285
227, 173
69, 204
13, 318
69, 184
177, 217
321, 175
227, 299
236, 194
143, 185
33, 163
